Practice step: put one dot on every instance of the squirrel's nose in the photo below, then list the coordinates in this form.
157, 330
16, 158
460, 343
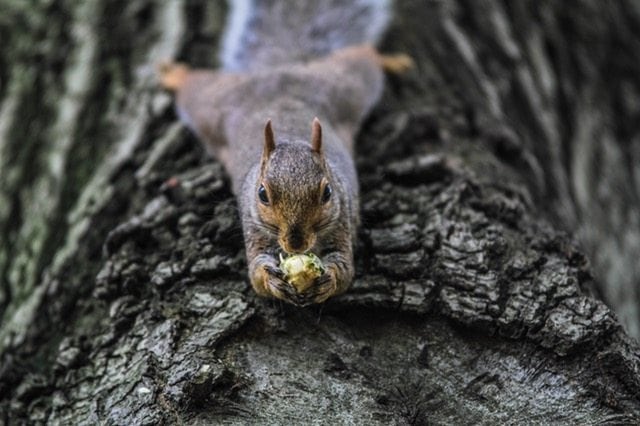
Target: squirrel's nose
295, 241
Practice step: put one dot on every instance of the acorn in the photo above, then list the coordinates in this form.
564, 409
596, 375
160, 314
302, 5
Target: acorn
301, 270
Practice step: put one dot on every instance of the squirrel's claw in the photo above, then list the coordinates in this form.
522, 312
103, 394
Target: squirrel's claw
276, 272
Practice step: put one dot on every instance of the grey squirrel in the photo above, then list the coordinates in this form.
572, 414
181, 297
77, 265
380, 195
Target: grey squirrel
281, 115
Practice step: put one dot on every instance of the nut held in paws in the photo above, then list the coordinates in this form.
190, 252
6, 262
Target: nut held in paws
301, 270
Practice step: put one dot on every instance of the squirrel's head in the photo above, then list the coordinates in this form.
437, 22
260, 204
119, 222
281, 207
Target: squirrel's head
294, 192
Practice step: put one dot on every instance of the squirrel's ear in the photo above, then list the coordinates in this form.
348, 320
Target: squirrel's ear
269, 140
316, 136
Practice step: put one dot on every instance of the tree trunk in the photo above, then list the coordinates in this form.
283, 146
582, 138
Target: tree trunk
123, 289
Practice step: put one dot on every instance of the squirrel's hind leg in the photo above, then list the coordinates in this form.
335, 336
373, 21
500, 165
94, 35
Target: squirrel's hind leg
395, 64
173, 75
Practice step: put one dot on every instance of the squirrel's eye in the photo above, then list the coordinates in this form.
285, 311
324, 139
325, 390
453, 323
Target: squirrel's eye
326, 194
262, 194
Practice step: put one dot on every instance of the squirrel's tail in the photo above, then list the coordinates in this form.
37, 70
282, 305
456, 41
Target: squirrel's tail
264, 33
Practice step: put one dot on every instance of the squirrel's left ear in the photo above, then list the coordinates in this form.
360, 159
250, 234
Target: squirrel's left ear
316, 136
269, 145
269, 140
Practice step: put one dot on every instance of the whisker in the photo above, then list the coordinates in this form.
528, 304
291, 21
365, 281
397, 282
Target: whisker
325, 224
265, 227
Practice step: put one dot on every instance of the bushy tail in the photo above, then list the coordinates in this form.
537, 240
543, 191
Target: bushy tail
263, 33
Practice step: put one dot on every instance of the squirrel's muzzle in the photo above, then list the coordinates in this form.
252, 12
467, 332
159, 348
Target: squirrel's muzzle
296, 241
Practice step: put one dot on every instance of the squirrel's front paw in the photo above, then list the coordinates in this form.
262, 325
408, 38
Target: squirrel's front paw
274, 284
322, 288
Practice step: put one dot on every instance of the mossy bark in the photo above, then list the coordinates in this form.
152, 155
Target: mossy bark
123, 290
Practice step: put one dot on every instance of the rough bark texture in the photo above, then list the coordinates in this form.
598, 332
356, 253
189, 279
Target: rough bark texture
123, 289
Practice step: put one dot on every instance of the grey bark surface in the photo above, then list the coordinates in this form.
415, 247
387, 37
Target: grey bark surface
123, 289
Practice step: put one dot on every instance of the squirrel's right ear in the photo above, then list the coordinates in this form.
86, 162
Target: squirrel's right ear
269, 141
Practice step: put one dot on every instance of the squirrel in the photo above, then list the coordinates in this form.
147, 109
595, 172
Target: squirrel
282, 123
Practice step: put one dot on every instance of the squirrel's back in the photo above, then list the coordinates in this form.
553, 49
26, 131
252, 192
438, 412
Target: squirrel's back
266, 33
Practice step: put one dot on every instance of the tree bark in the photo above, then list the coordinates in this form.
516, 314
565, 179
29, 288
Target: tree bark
123, 289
